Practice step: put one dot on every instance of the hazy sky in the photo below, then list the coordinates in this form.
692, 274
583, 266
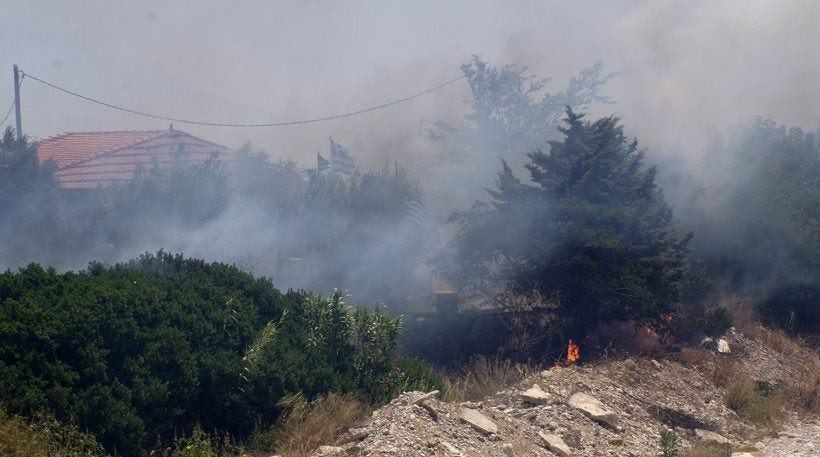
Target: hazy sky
684, 66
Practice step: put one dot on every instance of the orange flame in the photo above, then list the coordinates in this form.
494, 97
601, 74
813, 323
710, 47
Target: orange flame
573, 352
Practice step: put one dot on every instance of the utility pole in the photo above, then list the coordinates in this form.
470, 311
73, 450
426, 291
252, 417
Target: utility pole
17, 104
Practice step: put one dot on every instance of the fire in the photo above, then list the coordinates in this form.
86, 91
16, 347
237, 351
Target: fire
573, 352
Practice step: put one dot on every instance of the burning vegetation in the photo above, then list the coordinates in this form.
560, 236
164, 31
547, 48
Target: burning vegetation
576, 236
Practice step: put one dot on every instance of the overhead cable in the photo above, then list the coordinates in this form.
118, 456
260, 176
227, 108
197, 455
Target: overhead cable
268, 124
7, 113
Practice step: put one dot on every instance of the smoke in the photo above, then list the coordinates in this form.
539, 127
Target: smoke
685, 70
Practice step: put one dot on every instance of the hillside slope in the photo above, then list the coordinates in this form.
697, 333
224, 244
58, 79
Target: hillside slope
638, 398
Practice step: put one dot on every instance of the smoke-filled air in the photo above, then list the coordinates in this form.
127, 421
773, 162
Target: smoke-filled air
208, 182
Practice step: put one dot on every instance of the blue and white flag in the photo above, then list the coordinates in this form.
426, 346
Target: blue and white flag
322, 164
340, 159
415, 211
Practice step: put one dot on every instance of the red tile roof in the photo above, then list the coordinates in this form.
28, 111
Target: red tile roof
92, 159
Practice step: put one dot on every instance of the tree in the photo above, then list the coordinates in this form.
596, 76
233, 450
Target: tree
592, 235
512, 112
29, 203
761, 228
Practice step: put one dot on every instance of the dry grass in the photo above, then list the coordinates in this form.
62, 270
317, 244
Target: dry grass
693, 357
521, 444
43, 436
756, 401
742, 310
804, 397
776, 339
708, 450
308, 425
720, 372
18, 439
482, 377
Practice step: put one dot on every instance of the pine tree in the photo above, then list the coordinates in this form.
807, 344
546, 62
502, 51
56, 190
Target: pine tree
591, 234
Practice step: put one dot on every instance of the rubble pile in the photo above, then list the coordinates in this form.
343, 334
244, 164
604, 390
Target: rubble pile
609, 408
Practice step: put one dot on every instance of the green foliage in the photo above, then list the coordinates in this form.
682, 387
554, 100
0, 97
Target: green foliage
29, 202
670, 444
512, 113
201, 444
716, 321
757, 401
136, 351
691, 321
45, 437
592, 234
761, 226
414, 374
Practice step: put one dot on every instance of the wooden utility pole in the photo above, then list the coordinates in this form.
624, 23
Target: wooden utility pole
17, 104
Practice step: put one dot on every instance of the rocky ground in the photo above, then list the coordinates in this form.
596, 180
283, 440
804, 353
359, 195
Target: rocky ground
608, 408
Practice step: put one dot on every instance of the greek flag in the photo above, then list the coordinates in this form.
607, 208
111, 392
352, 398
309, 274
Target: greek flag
322, 164
414, 210
340, 159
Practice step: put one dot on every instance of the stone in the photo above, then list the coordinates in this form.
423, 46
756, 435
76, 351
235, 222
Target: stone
430, 408
331, 450
593, 408
355, 435
426, 396
710, 437
555, 444
508, 450
723, 346
616, 441
535, 395
450, 448
478, 421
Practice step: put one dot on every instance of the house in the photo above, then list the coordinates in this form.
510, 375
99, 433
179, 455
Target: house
86, 160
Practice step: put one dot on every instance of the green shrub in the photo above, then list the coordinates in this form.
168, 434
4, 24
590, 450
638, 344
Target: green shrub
201, 444
757, 401
716, 321
44, 436
138, 351
669, 444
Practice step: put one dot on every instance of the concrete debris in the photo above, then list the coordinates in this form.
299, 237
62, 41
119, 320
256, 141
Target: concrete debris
648, 395
710, 437
535, 395
723, 346
555, 444
478, 421
449, 448
431, 408
426, 396
354, 435
593, 408
707, 341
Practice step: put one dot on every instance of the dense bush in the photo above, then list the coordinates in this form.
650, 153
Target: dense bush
590, 232
44, 437
135, 351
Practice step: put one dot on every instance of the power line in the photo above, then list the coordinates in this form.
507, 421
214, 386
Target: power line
271, 124
7, 113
